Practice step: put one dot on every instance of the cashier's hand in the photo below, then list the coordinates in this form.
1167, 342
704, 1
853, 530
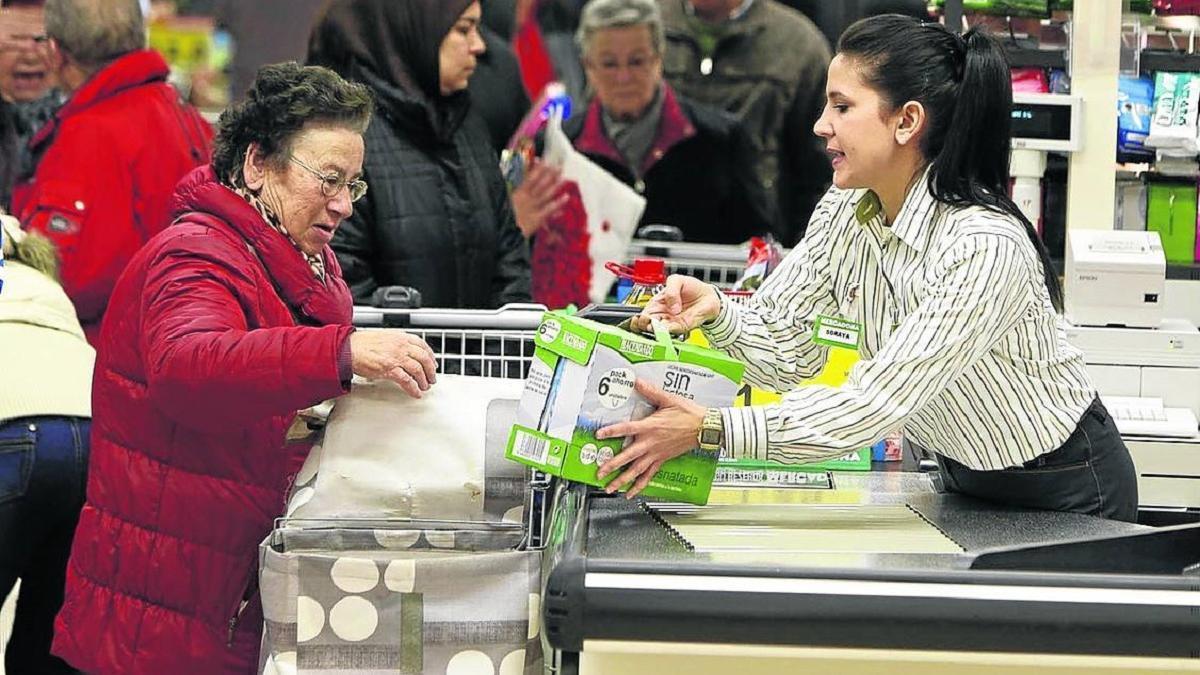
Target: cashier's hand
683, 304
390, 354
668, 433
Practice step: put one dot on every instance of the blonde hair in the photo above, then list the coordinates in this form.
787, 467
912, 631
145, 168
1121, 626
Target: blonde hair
29, 248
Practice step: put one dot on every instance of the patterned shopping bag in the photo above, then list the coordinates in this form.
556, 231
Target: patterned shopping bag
401, 601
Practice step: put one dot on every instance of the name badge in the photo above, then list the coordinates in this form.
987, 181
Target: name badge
832, 331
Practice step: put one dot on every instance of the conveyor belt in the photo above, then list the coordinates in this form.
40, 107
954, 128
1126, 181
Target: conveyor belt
867, 521
782, 533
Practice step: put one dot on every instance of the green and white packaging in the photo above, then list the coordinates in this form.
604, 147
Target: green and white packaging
582, 380
730, 470
1173, 126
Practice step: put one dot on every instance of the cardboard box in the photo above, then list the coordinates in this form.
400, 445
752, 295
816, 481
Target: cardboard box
582, 380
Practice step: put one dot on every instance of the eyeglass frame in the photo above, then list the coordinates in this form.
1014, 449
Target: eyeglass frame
611, 70
332, 184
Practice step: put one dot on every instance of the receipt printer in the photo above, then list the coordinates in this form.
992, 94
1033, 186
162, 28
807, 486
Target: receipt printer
1115, 278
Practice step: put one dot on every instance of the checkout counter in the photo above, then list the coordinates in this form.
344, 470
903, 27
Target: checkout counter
874, 572
882, 572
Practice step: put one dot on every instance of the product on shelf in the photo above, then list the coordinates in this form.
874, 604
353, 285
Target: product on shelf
1173, 124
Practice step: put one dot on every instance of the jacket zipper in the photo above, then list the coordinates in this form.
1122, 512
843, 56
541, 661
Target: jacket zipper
233, 621
243, 603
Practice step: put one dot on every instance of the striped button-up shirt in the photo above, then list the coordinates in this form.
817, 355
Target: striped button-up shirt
960, 345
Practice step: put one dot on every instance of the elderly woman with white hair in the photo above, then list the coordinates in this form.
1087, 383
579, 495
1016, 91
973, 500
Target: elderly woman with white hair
692, 163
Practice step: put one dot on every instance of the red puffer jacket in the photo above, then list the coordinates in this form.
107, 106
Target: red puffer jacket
109, 162
201, 371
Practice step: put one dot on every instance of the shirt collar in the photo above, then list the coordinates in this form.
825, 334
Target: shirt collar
737, 13
914, 222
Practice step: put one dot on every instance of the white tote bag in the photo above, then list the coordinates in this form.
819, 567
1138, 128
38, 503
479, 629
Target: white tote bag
613, 208
386, 455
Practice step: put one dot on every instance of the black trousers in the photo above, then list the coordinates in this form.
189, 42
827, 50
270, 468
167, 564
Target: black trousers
1090, 473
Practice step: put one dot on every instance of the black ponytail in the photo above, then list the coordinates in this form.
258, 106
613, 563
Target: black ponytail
965, 86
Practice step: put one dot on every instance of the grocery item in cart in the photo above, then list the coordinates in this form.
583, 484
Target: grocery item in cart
582, 379
385, 455
765, 256
639, 282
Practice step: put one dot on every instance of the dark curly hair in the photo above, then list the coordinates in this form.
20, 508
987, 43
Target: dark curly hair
284, 98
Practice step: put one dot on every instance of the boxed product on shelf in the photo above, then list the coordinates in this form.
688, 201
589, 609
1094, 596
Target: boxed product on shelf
1135, 101
1173, 125
1171, 211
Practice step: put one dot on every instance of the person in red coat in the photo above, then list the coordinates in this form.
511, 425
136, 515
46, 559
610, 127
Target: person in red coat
109, 159
219, 330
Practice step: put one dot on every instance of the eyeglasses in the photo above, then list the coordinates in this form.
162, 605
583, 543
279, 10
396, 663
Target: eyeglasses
332, 184
638, 64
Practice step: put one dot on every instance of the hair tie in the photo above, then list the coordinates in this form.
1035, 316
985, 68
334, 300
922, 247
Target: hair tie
960, 42
958, 55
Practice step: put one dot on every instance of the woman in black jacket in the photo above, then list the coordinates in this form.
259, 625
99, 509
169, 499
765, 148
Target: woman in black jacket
437, 216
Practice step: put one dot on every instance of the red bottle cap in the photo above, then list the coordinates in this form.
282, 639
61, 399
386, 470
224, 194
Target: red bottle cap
646, 271
650, 271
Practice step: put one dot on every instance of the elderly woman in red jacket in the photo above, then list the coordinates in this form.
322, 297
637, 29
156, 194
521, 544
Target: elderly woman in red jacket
221, 328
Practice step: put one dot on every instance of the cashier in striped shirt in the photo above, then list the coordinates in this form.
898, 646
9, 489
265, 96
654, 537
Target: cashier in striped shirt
918, 258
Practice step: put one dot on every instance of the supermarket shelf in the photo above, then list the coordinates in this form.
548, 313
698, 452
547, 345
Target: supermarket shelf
1026, 57
1178, 271
1153, 60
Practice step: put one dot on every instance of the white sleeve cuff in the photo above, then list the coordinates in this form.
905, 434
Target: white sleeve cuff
746, 432
723, 331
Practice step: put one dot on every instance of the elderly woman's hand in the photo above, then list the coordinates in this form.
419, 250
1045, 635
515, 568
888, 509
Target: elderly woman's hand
393, 355
538, 198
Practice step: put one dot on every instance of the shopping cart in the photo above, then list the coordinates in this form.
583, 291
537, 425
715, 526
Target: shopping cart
482, 343
406, 595
718, 264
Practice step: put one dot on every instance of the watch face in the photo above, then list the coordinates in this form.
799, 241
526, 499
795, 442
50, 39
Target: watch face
710, 437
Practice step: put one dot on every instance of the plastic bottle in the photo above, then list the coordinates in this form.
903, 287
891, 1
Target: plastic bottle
637, 284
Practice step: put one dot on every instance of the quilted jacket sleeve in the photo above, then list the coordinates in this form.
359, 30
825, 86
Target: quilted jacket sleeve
512, 280
206, 367
354, 243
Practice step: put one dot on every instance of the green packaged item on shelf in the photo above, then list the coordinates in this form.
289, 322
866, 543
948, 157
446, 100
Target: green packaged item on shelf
1135, 6
582, 380
1039, 8
1171, 211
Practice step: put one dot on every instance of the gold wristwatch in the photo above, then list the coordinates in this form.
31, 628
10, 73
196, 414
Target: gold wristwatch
712, 431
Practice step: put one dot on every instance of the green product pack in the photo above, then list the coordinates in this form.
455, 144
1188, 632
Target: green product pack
582, 380
739, 469
1171, 211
